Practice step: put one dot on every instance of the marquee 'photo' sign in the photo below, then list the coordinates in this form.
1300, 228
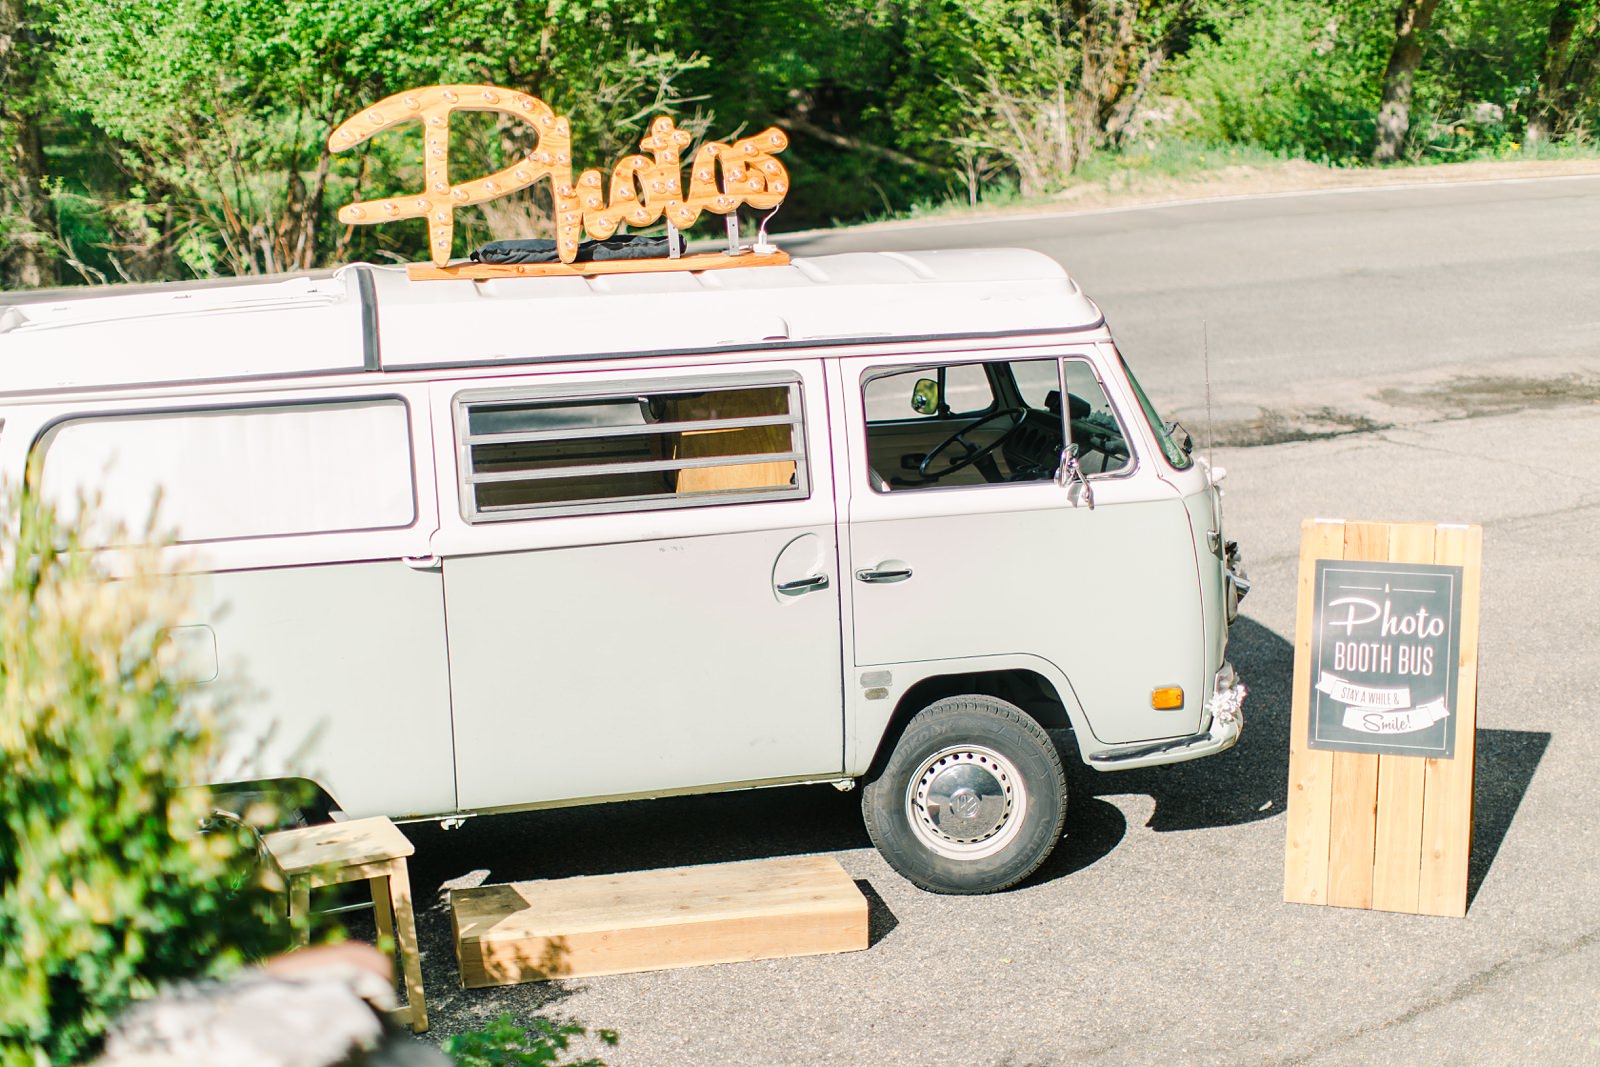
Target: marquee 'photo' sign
644, 189
1385, 645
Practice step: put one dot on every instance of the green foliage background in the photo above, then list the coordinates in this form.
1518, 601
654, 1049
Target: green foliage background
1300, 79
179, 138
106, 889
1303, 77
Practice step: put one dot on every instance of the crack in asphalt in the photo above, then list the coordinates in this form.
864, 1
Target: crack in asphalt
1297, 425
1423, 446
1526, 518
1472, 985
1274, 427
1486, 395
1533, 518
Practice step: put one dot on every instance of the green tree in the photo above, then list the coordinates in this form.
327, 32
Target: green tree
222, 108
27, 251
1411, 20
828, 71
145, 139
106, 889
1299, 77
1569, 71
1063, 79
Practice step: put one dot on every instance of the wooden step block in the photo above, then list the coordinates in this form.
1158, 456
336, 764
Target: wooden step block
652, 920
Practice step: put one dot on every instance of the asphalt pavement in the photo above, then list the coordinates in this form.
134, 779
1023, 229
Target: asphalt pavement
1457, 332
1328, 311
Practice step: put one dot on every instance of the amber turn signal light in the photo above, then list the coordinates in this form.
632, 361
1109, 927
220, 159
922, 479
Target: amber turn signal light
1167, 698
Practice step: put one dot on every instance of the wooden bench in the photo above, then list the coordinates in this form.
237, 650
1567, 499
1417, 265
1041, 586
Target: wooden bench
371, 849
652, 920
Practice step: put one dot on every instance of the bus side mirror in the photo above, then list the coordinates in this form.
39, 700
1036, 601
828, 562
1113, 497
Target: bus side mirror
925, 396
1071, 471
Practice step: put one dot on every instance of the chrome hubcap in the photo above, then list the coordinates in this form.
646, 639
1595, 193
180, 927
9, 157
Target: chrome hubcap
966, 802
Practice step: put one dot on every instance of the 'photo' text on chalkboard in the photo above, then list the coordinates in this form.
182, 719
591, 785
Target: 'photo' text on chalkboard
1385, 652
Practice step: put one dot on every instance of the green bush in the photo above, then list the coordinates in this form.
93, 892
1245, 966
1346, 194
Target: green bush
105, 888
1299, 77
506, 1043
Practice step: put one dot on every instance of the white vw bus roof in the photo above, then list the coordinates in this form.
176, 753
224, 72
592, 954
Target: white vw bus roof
367, 318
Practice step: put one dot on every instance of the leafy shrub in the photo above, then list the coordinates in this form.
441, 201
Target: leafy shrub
1302, 77
105, 888
1479, 77
506, 1043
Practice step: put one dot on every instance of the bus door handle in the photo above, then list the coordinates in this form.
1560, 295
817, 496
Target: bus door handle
803, 585
893, 571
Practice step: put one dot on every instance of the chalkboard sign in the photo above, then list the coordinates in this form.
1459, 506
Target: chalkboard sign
1385, 645
1385, 672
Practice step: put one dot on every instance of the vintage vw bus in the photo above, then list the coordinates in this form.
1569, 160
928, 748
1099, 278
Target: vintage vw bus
469, 546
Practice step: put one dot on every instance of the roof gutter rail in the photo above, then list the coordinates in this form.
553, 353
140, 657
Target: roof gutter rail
371, 343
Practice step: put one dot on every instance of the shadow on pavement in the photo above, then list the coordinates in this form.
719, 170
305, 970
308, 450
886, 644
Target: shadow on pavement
880, 920
607, 839
639, 835
1245, 784
1094, 828
1251, 781
1503, 770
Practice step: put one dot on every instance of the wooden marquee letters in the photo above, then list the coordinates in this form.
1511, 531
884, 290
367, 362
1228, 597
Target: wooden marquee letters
644, 188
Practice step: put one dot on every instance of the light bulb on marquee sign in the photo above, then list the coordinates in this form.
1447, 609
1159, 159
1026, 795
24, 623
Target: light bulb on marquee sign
644, 189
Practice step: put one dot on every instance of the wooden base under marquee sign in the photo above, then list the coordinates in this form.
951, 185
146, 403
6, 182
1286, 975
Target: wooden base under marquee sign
1384, 716
693, 262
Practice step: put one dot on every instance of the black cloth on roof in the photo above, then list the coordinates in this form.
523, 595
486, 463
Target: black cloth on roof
543, 250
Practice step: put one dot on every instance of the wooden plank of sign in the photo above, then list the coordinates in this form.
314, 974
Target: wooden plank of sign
1447, 784
1354, 827
1397, 853
650, 920
1305, 866
1355, 774
419, 272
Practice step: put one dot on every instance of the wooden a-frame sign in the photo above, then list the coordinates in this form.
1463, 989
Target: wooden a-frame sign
1384, 714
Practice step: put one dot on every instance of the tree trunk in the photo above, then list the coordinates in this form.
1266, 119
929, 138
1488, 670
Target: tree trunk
1124, 45
295, 246
853, 144
1566, 74
1411, 20
30, 256
157, 258
1120, 121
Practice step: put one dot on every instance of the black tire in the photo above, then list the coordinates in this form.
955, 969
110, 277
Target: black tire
971, 800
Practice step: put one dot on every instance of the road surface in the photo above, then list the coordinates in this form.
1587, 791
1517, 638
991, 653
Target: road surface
1328, 311
1457, 328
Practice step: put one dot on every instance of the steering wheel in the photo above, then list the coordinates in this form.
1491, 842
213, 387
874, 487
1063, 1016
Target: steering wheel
1101, 438
974, 454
